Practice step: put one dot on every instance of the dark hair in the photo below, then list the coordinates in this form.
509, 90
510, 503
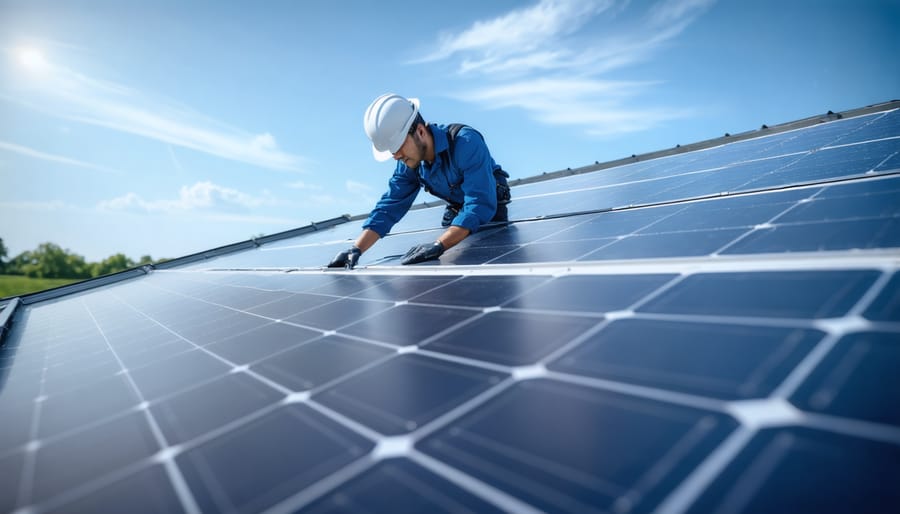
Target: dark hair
416, 122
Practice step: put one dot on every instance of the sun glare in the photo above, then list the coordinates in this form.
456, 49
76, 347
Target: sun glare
31, 58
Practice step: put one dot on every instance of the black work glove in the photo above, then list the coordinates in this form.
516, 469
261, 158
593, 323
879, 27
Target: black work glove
423, 252
346, 259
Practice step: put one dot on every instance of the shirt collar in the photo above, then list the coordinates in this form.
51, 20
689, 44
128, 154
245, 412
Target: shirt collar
439, 135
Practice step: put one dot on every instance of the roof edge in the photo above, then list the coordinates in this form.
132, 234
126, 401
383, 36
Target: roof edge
253, 243
764, 130
77, 287
6, 317
91, 283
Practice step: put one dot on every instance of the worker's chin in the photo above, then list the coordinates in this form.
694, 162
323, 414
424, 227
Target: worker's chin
411, 164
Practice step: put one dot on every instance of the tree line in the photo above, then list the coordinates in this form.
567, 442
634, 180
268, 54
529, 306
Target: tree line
48, 260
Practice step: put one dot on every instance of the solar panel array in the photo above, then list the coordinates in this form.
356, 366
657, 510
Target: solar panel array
712, 331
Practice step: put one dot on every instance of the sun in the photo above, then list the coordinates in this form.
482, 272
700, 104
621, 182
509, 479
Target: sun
31, 58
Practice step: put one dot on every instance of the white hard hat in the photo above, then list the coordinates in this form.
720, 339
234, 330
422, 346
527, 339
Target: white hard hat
387, 122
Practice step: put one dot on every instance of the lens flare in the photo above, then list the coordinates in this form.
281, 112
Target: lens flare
31, 58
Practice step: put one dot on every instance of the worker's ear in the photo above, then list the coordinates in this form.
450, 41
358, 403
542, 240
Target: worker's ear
421, 131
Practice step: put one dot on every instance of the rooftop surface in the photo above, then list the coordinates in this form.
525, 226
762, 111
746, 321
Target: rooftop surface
709, 328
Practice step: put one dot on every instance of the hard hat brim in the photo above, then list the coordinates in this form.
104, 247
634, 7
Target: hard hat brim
381, 156
384, 155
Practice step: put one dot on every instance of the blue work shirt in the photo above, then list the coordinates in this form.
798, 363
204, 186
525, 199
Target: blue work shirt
468, 182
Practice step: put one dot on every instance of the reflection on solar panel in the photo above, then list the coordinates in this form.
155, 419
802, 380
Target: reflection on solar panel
716, 330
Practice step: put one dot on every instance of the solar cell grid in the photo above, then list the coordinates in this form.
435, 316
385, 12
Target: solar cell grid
722, 353
881, 126
822, 135
830, 163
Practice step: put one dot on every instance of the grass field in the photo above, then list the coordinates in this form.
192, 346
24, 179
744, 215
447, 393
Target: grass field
15, 285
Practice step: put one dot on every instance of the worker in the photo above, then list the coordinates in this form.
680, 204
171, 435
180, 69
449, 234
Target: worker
452, 162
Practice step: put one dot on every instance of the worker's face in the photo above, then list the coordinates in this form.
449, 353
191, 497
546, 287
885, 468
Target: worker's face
412, 152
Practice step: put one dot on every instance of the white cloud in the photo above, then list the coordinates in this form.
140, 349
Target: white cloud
549, 60
31, 152
358, 188
200, 196
599, 105
264, 142
361, 194
74, 96
323, 200
299, 184
677, 12
522, 30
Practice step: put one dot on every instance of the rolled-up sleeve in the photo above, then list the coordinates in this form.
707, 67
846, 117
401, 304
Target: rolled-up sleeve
478, 186
395, 203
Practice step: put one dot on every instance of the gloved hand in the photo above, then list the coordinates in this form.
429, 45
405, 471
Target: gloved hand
346, 259
423, 252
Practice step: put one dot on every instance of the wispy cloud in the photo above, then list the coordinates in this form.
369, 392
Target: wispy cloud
71, 95
358, 187
599, 105
520, 32
31, 152
355, 194
361, 194
200, 196
304, 186
550, 59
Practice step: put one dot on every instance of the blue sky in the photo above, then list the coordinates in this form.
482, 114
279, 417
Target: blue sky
170, 127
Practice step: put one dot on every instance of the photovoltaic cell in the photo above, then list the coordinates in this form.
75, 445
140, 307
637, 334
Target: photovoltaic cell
590, 293
318, 363
399, 485
820, 236
530, 441
408, 325
405, 393
479, 291
65, 411
856, 379
151, 485
250, 468
339, 313
198, 411
783, 471
777, 294
713, 330
886, 307
124, 440
708, 359
11, 468
259, 343
511, 338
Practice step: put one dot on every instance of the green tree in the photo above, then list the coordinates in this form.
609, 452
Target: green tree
112, 264
76, 266
51, 261
14, 265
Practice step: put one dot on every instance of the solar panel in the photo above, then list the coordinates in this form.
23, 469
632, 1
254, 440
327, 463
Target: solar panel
716, 329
